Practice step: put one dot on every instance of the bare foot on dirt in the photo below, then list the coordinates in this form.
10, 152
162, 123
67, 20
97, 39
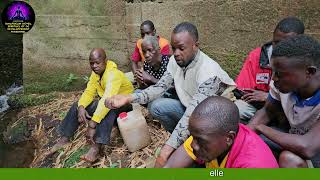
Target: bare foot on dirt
63, 142
92, 155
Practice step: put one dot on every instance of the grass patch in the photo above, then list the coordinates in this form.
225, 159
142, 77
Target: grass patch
75, 157
230, 61
62, 114
17, 132
46, 83
26, 100
233, 63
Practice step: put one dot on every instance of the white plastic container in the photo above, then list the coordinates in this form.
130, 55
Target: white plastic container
134, 129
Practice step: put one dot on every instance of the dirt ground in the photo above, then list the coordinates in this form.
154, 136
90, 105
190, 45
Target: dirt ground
44, 120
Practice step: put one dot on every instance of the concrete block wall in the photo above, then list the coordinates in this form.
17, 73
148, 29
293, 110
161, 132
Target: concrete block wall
66, 31
228, 29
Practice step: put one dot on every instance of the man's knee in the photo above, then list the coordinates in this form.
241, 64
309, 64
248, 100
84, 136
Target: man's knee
156, 108
288, 159
74, 107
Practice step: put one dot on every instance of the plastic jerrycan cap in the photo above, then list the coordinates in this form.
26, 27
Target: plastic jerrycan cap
123, 115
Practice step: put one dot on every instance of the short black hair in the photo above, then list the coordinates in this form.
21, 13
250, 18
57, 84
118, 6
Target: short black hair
148, 23
219, 114
290, 24
302, 48
187, 27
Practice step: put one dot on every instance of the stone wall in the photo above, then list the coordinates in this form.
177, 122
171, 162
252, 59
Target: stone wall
66, 31
228, 29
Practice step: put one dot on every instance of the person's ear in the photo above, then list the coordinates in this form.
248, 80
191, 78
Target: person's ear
229, 142
154, 32
230, 138
197, 44
311, 70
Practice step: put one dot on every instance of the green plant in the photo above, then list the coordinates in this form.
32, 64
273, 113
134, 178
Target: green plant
75, 157
233, 62
50, 82
26, 100
17, 132
116, 164
62, 115
71, 78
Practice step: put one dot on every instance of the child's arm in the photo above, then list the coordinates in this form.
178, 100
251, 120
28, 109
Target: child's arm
179, 159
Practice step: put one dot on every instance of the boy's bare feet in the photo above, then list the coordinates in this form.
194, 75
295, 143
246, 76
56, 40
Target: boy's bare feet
63, 142
92, 155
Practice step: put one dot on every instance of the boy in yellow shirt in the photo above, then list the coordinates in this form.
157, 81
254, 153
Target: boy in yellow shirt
105, 80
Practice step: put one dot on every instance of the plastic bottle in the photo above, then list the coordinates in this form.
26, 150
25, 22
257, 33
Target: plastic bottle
134, 129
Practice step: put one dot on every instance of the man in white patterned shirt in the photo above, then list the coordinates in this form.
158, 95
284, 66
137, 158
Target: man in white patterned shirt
195, 77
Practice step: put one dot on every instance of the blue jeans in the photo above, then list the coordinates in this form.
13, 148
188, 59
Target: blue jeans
70, 123
168, 111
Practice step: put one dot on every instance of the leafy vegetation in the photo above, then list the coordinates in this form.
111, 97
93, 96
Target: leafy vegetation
26, 100
46, 83
75, 157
